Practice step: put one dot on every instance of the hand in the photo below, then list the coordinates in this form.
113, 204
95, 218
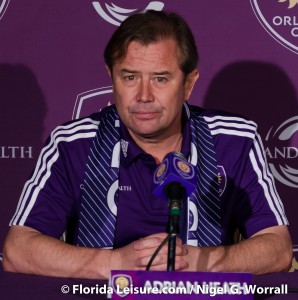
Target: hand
136, 255
146, 247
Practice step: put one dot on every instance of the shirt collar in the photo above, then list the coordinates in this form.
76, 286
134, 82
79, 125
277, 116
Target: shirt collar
131, 151
129, 148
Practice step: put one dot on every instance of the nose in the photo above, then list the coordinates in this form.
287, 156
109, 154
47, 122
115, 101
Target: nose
145, 91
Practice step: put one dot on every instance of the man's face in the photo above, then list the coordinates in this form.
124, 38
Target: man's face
150, 89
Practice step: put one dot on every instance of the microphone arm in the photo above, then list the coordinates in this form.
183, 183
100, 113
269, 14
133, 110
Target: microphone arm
175, 193
174, 178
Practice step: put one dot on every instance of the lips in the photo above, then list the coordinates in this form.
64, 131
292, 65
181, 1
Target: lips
145, 115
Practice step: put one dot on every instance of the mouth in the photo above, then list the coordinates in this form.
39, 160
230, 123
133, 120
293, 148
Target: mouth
145, 115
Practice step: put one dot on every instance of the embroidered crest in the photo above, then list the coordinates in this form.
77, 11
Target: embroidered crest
222, 179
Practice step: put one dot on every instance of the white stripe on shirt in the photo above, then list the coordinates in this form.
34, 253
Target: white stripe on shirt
233, 132
268, 178
226, 125
232, 119
245, 128
232, 125
42, 164
265, 187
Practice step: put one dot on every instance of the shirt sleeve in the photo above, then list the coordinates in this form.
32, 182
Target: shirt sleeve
259, 205
46, 203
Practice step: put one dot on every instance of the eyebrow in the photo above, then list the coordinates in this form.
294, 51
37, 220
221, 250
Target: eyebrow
162, 73
137, 72
129, 71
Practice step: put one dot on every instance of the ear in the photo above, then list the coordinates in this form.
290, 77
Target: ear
190, 82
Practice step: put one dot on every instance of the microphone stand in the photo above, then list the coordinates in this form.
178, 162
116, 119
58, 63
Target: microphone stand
173, 231
175, 192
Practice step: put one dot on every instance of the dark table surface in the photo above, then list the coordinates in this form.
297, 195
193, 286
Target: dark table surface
28, 287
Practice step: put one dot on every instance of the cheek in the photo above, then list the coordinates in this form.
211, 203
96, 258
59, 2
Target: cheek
122, 105
120, 98
123, 96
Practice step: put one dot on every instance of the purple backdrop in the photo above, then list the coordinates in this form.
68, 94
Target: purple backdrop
52, 70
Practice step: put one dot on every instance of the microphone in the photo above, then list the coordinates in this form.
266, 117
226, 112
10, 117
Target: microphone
174, 179
174, 169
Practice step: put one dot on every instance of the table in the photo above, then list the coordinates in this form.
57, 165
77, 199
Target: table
29, 287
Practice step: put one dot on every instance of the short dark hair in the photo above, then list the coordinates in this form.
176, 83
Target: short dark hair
151, 27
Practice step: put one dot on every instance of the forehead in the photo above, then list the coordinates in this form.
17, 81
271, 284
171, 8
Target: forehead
162, 53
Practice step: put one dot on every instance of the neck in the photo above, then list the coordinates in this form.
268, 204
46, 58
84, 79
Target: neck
159, 147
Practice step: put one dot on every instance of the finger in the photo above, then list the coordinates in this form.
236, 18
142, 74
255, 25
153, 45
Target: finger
181, 250
178, 241
160, 259
181, 265
153, 241
146, 243
161, 264
147, 250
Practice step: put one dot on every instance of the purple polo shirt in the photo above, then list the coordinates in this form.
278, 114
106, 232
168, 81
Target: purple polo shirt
51, 198
140, 213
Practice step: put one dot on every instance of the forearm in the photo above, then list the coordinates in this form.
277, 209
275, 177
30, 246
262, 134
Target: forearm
28, 251
259, 255
264, 253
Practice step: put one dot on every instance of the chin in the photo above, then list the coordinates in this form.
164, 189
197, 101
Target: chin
146, 134
144, 130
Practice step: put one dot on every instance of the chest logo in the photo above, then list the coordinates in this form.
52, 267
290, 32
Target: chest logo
222, 179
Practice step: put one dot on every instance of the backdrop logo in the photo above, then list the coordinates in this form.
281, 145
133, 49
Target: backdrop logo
3, 6
280, 20
292, 3
283, 155
115, 14
92, 101
16, 152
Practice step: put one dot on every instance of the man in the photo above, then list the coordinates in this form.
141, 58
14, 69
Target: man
95, 174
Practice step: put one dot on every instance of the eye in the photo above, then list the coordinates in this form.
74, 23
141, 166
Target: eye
129, 78
161, 79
